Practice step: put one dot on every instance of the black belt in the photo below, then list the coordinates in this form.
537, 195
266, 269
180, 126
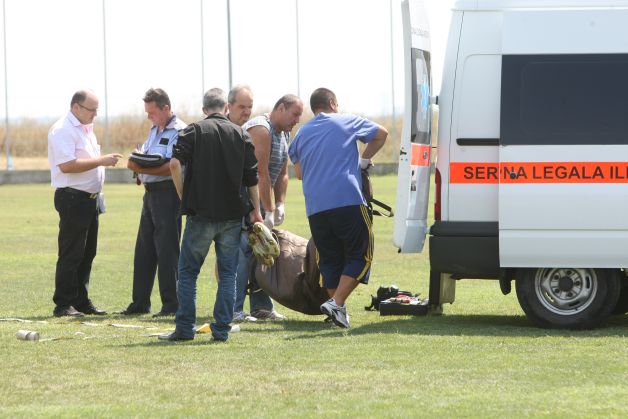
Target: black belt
159, 186
79, 192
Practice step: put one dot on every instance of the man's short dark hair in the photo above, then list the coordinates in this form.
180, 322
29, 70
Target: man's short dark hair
287, 101
319, 101
159, 96
214, 99
78, 97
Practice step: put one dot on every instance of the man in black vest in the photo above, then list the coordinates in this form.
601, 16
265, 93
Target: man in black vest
218, 157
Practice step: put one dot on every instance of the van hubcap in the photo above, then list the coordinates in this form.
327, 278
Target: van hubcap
565, 283
565, 291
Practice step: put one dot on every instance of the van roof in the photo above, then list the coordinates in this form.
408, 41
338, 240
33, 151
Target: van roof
535, 4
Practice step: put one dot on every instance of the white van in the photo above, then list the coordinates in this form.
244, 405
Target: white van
532, 154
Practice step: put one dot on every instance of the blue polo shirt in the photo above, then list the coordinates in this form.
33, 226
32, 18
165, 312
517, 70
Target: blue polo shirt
161, 143
326, 147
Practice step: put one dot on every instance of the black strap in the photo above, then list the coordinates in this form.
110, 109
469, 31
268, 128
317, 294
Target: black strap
384, 207
367, 192
270, 133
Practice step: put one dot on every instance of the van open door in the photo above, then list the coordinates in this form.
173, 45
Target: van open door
413, 182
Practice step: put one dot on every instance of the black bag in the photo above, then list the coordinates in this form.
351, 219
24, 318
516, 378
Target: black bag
383, 294
147, 160
395, 308
390, 301
367, 191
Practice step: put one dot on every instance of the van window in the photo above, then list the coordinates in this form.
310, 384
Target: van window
421, 96
479, 97
564, 99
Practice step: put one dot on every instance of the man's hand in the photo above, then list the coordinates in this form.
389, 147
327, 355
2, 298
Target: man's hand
280, 213
256, 217
131, 165
269, 220
110, 159
135, 168
177, 175
365, 163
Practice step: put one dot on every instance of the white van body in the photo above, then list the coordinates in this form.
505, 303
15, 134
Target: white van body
532, 156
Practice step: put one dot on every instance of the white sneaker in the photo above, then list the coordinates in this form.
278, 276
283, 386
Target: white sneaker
241, 316
262, 314
337, 314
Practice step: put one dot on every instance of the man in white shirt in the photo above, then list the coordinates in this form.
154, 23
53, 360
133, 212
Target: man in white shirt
77, 172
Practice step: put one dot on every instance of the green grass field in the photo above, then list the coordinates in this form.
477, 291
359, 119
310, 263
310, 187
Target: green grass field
482, 358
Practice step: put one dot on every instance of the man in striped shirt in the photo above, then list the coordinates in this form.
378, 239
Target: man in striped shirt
270, 133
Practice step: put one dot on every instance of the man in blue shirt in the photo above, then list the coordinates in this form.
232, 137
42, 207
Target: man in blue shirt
157, 245
326, 157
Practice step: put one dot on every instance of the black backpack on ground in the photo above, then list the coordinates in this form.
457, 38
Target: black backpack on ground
383, 294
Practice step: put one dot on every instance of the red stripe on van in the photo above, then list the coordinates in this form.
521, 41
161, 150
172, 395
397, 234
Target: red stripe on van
539, 172
473, 172
420, 155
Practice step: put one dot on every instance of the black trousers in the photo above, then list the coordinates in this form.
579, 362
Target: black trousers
157, 250
78, 238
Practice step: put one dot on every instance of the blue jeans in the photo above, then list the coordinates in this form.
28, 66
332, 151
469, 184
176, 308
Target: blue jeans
197, 238
258, 299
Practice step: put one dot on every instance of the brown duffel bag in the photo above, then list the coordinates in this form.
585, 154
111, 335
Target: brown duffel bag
294, 279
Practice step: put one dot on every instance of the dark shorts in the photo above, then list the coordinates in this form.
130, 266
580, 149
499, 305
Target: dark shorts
344, 240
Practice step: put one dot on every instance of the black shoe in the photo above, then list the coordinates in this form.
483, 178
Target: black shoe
89, 308
164, 314
132, 312
62, 311
174, 336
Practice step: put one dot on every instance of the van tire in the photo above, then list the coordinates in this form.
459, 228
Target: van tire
568, 298
622, 303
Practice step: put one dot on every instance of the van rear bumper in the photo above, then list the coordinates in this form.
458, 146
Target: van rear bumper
465, 249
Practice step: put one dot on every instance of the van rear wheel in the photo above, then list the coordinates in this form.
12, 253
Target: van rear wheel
570, 298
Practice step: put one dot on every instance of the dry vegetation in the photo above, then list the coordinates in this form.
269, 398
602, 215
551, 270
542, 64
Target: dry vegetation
29, 138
